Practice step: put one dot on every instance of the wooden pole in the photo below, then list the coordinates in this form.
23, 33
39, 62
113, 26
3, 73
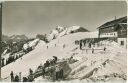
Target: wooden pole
0, 36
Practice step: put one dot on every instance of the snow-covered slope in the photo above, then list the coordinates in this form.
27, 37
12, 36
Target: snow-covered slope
41, 53
23, 64
89, 65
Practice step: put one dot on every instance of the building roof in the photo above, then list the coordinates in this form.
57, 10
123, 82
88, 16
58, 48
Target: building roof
114, 22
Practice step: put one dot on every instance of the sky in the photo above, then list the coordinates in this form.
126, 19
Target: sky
40, 17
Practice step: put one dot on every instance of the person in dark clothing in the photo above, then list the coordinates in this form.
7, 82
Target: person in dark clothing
46, 64
104, 48
61, 74
25, 79
92, 50
84, 43
16, 78
55, 59
12, 76
57, 70
89, 45
30, 71
80, 45
57, 75
64, 46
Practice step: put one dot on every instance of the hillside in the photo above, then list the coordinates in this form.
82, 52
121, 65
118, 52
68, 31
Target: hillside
88, 67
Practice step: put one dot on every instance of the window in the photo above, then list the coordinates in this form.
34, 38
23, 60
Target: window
122, 42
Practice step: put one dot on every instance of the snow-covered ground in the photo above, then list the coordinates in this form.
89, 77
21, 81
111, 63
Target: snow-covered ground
89, 65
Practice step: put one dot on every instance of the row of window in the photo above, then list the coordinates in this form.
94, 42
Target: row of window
110, 29
108, 34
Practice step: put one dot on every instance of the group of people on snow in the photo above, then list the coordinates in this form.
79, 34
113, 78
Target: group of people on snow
57, 72
17, 78
14, 78
50, 67
90, 43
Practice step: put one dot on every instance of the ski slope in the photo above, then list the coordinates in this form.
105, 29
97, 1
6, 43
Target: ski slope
40, 54
87, 63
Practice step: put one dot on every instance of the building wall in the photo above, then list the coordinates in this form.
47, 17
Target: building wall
122, 42
110, 34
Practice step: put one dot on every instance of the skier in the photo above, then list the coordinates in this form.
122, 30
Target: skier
47, 47
104, 48
92, 50
12, 76
64, 46
80, 45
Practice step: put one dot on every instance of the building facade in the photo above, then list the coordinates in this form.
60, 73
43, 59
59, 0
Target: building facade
115, 30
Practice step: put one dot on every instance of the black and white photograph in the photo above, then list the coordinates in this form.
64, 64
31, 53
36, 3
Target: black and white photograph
63, 41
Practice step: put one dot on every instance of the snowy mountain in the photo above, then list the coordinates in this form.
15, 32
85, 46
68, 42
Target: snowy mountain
18, 37
61, 31
5, 38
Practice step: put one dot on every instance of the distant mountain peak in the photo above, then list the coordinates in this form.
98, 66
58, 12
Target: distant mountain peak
61, 31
